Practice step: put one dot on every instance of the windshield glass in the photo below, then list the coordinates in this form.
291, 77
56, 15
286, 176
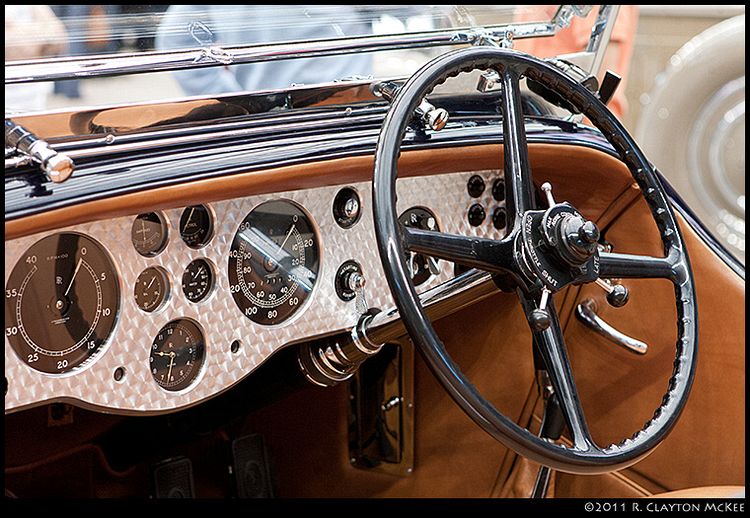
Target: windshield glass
75, 31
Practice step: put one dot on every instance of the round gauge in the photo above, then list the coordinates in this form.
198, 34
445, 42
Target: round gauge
149, 234
177, 354
273, 262
197, 280
61, 302
422, 267
196, 226
151, 289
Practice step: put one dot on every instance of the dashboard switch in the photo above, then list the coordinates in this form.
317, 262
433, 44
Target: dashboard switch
475, 186
349, 280
476, 215
347, 207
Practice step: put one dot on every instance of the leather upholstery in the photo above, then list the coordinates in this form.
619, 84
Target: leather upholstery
706, 492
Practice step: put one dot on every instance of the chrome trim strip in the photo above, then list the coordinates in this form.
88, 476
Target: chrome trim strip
113, 64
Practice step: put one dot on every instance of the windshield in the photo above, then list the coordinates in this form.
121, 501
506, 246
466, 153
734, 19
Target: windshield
75, 31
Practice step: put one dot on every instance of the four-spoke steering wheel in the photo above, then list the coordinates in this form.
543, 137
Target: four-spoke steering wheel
543, 252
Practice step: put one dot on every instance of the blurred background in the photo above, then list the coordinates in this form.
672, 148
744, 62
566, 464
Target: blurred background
682, 98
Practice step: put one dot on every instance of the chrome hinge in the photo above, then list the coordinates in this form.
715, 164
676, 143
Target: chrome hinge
56, 166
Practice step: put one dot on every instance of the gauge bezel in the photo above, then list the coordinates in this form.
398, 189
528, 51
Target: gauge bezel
202, 368
438, 224
106, 344
321, 258
167, 294
166, 225
211, 288
212, 230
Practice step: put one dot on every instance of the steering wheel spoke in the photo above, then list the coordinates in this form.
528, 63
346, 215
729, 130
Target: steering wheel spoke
485, 254
519, 195
551, 345
631, 266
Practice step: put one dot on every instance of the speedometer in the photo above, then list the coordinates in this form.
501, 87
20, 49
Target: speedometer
273, 262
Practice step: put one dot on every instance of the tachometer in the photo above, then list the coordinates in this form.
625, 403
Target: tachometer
273, 262
61, 302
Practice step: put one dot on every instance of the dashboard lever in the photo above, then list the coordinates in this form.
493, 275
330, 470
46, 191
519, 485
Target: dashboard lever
586, 313
609, 86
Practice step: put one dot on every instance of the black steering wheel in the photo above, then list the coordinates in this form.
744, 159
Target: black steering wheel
543, 252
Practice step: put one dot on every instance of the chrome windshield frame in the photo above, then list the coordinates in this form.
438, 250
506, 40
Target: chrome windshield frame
38, 70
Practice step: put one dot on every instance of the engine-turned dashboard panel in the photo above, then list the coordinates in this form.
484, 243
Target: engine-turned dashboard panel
161, 310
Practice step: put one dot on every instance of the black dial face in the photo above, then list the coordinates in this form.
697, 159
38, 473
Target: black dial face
196, 226
197, 280
422, 267
151, 289
149, 233
177, 354
61, 302
273, 262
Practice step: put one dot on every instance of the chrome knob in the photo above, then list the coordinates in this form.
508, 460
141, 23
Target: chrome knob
355, 281
589, 233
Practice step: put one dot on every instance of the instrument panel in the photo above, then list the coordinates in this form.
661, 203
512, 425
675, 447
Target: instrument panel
158, 311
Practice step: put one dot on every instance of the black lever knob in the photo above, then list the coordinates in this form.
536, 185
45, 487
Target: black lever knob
539, 320
619, 296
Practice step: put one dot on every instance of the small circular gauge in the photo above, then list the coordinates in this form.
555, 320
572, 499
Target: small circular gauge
149, 234
177, 354
61, 302
151, 289
197, 280
273, 262
196, 226
422, 267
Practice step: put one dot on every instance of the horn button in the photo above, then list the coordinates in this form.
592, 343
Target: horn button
558, 246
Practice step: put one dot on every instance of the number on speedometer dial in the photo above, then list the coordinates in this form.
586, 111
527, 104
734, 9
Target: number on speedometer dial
61, 302
273, 262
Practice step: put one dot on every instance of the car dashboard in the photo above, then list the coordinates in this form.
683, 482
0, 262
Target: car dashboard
238, 279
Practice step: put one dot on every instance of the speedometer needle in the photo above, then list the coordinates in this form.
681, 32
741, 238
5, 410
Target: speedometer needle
285, 239
78, 266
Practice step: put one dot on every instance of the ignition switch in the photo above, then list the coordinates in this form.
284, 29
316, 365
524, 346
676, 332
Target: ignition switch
349, 280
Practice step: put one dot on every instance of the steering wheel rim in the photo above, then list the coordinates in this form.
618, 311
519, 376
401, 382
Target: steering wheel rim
585, 457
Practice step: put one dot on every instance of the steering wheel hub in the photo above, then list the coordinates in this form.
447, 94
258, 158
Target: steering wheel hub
558, 247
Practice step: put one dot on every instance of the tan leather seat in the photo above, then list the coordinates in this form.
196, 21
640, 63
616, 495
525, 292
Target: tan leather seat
705, 492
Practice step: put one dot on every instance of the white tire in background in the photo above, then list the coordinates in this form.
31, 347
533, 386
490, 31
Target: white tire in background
693, 128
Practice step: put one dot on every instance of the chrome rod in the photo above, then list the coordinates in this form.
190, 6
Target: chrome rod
600, 34
336, 359
442, 300
158, 61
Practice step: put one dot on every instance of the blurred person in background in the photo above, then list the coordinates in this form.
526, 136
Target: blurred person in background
31, 31
575, 38
231, 25
89, 32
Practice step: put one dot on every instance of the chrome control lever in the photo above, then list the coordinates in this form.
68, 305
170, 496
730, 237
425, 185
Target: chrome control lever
539, 318
432, 117
586, 313
547, 189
